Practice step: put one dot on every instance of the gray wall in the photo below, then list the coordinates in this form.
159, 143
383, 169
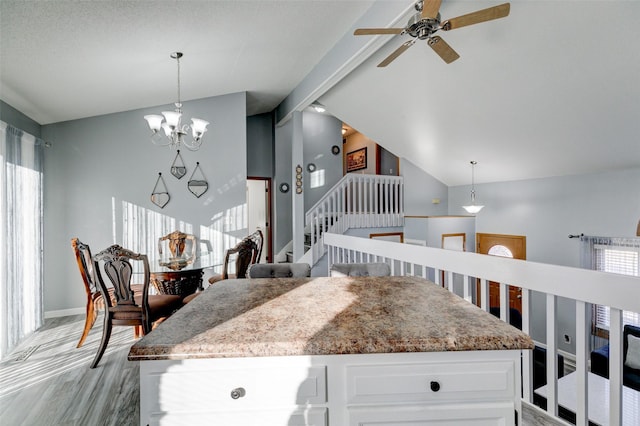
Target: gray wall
12, 116
546, 211
102, 166
320, 132
282, 210
260, 145
420, 188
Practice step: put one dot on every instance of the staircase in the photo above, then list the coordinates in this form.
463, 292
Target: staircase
356, 201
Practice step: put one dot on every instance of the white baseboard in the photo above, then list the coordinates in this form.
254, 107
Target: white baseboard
64, 312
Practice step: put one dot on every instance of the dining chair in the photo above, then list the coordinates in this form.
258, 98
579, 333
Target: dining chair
95, 302
177, 242
279, 270
143, 310
247, 252
374, 269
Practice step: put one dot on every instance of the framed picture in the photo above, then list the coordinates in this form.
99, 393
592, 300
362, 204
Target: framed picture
357, 159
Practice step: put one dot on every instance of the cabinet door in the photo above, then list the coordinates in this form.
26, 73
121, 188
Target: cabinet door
490, 414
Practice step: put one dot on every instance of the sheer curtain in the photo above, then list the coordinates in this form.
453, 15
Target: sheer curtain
21, 257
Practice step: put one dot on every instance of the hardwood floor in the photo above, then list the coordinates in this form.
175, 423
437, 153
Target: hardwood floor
47, 380
54, 385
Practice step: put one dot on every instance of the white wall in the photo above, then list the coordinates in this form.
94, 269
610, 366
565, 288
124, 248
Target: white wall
100, 165
546, 211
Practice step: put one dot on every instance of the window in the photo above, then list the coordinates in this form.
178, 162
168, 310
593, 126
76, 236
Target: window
618, 256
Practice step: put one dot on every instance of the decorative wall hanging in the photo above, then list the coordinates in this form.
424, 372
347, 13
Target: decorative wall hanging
357, 159
160, 195
178, 169
335, 150
198, 185
284, 187
298, 179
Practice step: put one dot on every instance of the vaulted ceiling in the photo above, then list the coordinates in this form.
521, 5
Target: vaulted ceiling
553, 89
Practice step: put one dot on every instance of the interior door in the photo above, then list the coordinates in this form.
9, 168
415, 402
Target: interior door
259, 212
513, 246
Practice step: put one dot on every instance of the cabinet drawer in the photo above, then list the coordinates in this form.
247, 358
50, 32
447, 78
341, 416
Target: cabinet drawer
206, 389
423, 382
478, 414
308, 417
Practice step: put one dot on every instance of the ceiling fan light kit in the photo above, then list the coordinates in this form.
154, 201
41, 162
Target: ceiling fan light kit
426, 22
170, 122
473, 208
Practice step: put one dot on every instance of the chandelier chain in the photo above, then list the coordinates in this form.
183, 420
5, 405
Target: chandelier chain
178, 59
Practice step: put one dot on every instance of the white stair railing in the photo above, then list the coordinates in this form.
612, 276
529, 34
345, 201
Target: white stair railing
356, 201
584, 287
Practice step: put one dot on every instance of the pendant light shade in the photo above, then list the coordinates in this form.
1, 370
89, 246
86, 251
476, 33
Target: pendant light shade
473, 208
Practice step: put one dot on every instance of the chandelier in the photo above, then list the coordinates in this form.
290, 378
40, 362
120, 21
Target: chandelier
170, 122
473, 208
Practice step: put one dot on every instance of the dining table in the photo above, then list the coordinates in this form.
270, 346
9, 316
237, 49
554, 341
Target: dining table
181, 275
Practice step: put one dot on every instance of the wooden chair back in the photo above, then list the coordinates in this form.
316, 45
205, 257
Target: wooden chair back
94, 297
258, 239
178, 241
245, 252
126, 306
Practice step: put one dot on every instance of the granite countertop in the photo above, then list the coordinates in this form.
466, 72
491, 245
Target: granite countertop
322, 316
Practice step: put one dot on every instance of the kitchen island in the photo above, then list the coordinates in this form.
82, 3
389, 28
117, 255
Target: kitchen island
338, 351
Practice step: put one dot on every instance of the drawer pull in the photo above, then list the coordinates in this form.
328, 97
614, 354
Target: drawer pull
435, 386
238, 393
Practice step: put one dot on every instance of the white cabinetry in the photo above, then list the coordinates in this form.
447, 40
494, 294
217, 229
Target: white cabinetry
475, 387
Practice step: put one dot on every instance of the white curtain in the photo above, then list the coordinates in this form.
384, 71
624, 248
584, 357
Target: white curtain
21, 221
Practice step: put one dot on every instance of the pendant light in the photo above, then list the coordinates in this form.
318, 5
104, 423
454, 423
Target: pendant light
473, 208
170, 122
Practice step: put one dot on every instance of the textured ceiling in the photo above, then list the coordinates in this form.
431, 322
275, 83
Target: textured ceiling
553, 89
63, 60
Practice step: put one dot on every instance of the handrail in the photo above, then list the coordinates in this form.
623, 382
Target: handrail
619, 292
356, 201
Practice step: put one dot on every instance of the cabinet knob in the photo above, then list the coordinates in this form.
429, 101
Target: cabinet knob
238, 393
435, 386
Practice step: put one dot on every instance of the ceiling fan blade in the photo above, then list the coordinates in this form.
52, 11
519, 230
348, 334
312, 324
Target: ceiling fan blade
483, 15
430, 8
396, 53
374, 31
443, 49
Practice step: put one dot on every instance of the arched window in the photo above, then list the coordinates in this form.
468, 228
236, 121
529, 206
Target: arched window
499, 250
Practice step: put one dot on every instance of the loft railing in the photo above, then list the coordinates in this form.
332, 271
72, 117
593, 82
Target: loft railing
356, 201
584, 287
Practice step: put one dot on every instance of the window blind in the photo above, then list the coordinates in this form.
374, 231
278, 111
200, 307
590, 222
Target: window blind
618, 260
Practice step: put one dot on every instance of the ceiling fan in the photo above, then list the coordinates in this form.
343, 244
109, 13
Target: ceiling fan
426, 22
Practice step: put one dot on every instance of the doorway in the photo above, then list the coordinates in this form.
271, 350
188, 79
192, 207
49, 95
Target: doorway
513, 246
259, 212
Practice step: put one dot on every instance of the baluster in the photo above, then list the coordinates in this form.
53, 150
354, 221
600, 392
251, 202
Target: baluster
582, 382
527, 360
615, 366
504, 302
484, 295
466, 292
450, 281
552, 362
